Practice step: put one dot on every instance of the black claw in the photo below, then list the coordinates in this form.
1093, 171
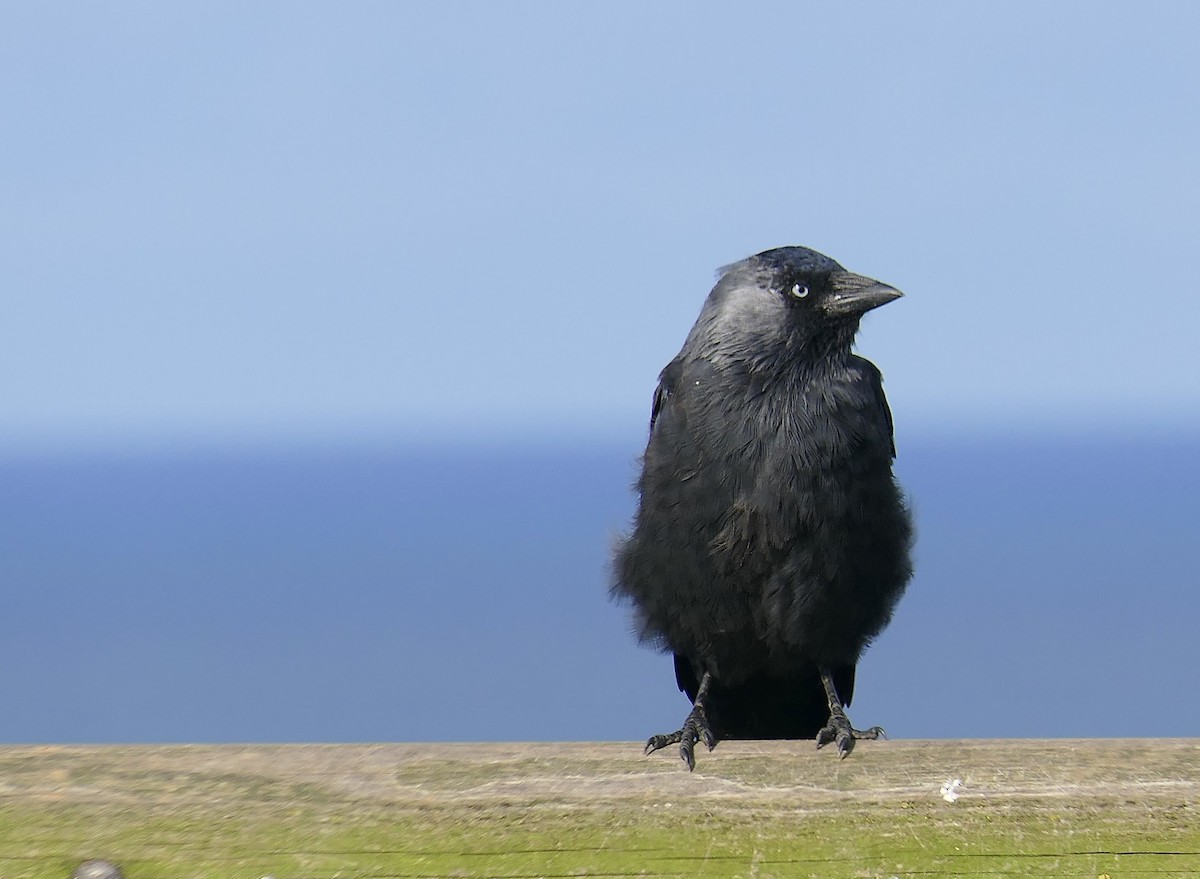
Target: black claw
688, 756
875, 732
687, 748
661, 741
840, 731
695, 729
845, 745
826, 734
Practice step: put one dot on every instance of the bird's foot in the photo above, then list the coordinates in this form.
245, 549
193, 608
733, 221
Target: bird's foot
840, 731
694, 729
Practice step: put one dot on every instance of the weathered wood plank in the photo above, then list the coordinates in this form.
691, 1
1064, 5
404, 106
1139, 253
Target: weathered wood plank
1024, 808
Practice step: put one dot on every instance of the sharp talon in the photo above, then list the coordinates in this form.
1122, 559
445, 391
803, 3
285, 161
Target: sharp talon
825, 735
685, 754
661, 741
839, 730
875, 732
695, 729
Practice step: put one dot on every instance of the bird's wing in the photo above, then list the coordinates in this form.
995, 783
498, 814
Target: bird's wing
843, 679
871, 375
685, 676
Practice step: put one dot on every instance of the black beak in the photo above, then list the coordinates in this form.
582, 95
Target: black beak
852, 294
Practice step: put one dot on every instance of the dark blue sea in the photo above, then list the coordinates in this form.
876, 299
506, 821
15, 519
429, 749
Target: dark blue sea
401, 593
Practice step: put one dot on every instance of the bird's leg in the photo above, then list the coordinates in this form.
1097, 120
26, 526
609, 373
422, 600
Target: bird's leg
694, 729
839, 729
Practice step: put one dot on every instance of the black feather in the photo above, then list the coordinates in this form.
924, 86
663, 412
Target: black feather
771, 541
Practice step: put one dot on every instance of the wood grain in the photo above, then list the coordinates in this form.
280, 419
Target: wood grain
1023, 808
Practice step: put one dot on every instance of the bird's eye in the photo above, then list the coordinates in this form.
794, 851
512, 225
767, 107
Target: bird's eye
799, 291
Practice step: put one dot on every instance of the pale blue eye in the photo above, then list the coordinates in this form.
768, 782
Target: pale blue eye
799, 291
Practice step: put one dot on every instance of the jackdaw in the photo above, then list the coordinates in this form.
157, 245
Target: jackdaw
771, 541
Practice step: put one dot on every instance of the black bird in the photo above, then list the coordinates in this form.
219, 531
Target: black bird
771, 541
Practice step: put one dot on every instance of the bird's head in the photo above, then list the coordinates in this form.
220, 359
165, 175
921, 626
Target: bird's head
791, 298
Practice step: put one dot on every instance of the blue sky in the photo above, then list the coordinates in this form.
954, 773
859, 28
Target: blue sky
250, 252
284, 220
